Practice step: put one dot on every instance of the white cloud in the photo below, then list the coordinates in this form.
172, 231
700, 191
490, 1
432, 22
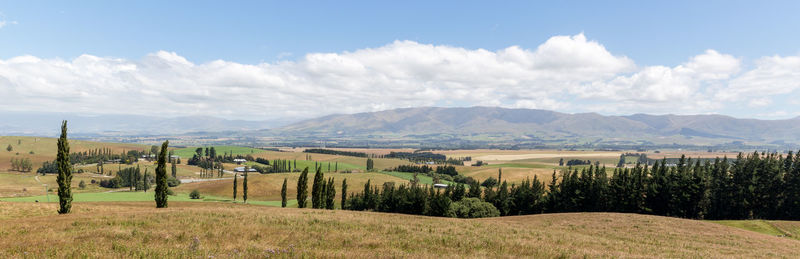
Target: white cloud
567, 73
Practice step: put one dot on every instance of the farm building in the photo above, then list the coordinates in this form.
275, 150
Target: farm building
239, 161
440, 185
241, 169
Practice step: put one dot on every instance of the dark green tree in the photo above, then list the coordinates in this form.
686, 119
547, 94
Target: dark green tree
370, 164
283, 193
344, 193
317, 191
64, 178
244, 184
302, 189
330, 195
161, 177
174, 170
235, 185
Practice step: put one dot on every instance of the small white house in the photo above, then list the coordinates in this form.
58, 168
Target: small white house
239, 161
241, 169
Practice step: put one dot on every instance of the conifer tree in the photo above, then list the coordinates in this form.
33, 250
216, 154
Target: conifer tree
302, 189
244, 185
370, 164
283, 194
330, 195
344, 193
235, 183
64, 178
161, 177
317, 190
174, 170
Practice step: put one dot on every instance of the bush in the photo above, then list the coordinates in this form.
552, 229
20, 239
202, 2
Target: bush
468, 180
489, 182
194, 195
172, 182
170, 192
82, 185
473, 208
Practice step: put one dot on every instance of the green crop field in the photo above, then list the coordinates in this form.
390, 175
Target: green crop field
423, 179
186, 153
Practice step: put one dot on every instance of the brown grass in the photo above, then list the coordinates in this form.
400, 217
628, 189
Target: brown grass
120, 230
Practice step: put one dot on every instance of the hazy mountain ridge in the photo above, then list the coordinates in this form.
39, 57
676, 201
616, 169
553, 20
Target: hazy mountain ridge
46, 124
492, 120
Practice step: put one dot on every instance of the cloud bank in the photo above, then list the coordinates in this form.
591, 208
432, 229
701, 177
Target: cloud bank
565, 73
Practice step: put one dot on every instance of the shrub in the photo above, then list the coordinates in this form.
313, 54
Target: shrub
195, 194
170, 192
473, 208
172, 182
489, 182
82, 185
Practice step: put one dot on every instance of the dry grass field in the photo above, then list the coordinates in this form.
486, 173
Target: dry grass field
214, 230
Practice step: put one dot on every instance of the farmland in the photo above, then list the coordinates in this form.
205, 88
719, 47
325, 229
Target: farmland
123, 223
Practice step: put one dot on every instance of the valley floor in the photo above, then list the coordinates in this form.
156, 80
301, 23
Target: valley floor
208, 229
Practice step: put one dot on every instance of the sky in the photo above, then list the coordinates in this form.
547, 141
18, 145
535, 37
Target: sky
265, 60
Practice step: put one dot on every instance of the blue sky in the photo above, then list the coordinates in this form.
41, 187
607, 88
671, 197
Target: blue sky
270, 33
255, 31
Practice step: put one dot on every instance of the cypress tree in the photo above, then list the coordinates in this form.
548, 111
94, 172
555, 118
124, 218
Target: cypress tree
344, 193
64, 178
283, 194
174, 170
330, 195
235, 183
302, 189
161, 177
244, 185
317, 190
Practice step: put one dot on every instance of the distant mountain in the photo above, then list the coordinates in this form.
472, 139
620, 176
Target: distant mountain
543, 124
47, 124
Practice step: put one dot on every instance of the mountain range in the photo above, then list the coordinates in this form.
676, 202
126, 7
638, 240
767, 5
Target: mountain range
544, 124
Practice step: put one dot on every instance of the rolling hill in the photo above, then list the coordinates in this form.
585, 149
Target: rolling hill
209, 229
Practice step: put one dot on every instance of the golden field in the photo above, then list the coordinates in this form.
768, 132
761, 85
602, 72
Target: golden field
207, 229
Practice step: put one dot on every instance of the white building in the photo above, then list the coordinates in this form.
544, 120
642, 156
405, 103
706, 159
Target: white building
241, 169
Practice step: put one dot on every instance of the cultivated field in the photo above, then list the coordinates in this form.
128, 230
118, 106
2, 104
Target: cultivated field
192, 229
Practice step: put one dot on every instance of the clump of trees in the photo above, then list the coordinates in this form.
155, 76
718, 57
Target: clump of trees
21, 164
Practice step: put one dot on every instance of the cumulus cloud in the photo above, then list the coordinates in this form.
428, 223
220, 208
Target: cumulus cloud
566, 73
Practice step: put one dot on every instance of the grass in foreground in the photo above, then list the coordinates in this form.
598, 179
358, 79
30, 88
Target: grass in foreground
195, 229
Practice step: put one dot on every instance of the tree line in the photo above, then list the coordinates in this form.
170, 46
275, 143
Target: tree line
758, 185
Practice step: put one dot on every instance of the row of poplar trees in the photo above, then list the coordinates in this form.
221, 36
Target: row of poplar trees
64, 178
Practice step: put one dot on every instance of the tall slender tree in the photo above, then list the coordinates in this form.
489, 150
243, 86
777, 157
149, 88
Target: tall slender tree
283, 194
244, 185
174, 170
235, 183
330, 194
161, 176
344, 193
317, 190
302, 189
64, 178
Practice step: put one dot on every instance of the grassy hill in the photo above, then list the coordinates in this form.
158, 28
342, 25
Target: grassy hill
196, 229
